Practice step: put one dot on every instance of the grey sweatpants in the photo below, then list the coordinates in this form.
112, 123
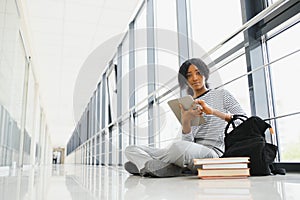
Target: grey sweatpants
180, 153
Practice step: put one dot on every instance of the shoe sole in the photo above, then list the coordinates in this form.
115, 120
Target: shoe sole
159, 169
131, 168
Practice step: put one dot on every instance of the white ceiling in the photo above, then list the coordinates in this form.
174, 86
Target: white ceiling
63, 34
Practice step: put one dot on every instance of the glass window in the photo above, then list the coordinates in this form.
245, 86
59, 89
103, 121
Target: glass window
228, 72
94, 109
30, 103
141, 127
140, 38
92, 150
141, 86
112, 92
284, 73
105, 147
98, 149
105, 99
2, 112
125, 133
166, 70
165, 20
12, 72
212, 21
166, 43
114, 144
125, 75
99, 97
140, 42
169, 128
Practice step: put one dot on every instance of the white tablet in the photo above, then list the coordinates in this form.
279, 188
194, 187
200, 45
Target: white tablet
186, 102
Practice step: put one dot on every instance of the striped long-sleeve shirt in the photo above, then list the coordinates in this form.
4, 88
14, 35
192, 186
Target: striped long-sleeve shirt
211, 133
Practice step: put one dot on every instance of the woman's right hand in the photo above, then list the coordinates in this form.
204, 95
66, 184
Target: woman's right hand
205, 108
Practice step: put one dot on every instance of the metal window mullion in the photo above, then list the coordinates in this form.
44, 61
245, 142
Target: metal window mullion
86, 125
45, 156
94, 125
132, 130
270, 97
150, 68
94, 112
88, 122
33, 136
103, 108
24, 111
182, 30
254, 59
183, 33
99, 118
90, 119
86, 153
98, 108
2, 124
1, 133
279, 16
82, 128
43, 145
109, 122
40, 135
119, 101
98, 144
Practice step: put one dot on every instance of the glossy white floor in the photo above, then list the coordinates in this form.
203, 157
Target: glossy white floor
81, 182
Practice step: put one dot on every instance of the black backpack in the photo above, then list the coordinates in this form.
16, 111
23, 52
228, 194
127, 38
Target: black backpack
248, 139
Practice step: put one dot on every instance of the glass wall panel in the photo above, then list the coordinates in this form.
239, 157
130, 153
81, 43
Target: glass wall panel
284, 73
166, 71
211, 22
12, 71
126, 137
37, 124
93, 114
141, 127
140, 38
2, 111
30, 103
141, 86
99, 97
98, 150
166, 44
226, 73
168, 127
112, 93
140, 42
105, 147
114, 149
125, 75
163, 20
93, 141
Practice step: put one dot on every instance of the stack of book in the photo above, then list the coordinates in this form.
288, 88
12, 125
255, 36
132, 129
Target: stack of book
214, 168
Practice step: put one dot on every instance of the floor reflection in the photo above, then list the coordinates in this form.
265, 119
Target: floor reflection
82, 182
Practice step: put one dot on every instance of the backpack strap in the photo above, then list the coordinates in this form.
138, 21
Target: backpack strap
234, 118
